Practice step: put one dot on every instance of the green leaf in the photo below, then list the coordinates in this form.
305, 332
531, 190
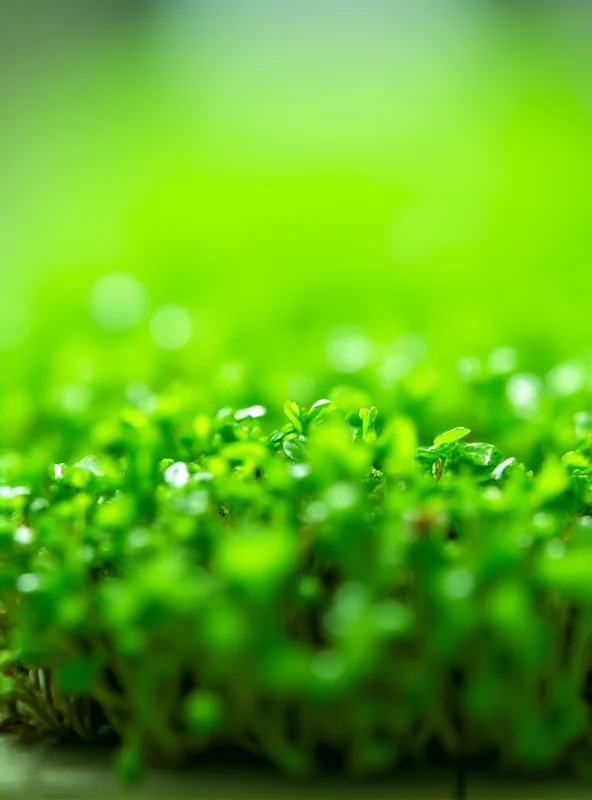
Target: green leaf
317, 409
204, 713
294, 450
479, 453
368, 417
427, 455
576, 460
502, 469
451, 436
294, 414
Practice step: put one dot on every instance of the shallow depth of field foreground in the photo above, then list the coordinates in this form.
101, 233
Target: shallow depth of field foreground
296, 399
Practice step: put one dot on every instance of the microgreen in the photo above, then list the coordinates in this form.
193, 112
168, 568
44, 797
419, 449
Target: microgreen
290, 579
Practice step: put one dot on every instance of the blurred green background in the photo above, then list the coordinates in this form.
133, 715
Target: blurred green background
279, 196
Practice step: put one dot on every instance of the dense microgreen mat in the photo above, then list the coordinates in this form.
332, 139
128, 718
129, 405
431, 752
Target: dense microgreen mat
296, 382
298, 580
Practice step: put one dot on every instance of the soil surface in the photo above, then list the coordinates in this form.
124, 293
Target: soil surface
51, 770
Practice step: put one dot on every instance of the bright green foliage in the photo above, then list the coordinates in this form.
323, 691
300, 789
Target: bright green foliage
449, 437
291, 581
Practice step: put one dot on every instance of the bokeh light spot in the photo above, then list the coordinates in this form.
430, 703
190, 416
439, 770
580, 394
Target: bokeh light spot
171, 327
348, 349
118, 301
